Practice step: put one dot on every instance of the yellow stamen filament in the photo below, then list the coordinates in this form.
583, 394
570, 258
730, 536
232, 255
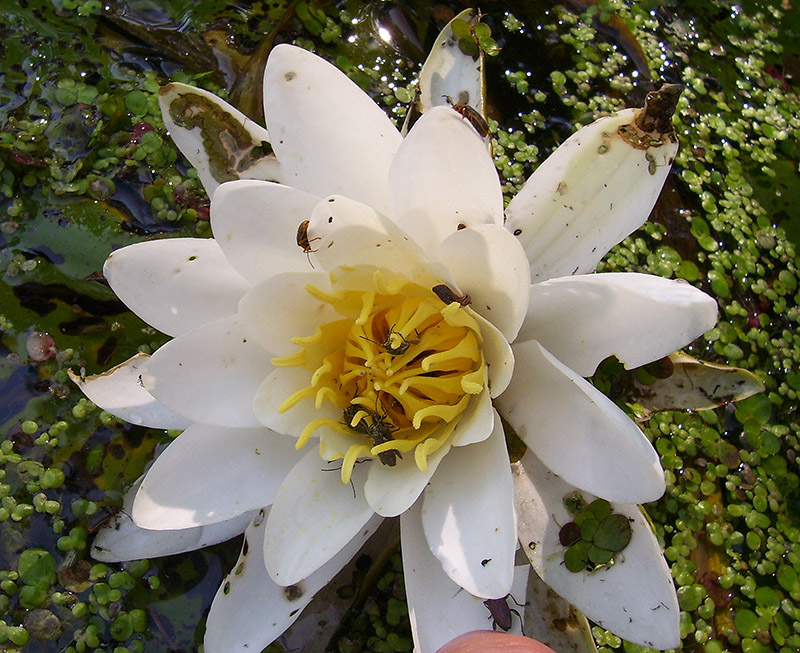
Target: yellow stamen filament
401, 366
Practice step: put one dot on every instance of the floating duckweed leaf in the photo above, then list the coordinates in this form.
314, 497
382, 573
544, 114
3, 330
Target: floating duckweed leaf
37, 568
122, 627
42, 625
589, 527
575, 503
599, 509
576, 558
136, 103
569, 534
598, 556
595, 536
788, 578
756, 409
613, 533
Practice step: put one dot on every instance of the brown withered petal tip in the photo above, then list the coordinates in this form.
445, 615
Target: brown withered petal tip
659, 106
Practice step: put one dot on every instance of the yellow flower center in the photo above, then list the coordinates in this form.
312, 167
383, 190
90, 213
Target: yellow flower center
401, 366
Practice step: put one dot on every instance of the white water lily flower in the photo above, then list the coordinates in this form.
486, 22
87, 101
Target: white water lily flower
370, 385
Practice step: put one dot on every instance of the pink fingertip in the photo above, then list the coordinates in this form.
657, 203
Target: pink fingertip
489, 641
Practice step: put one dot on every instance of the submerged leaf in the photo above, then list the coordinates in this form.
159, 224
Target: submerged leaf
695, 385
219, 140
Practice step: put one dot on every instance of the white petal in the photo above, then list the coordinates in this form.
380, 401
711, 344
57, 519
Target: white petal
594, 190
469, 519
256, 223
439, 609
329, 136
490, 264
280, 309
120, 391
220, 145
577, 431
477, 422
449, 72
391, 490
121, 539
347, 233
443, 177
175, 284
546, 614
210, 375
312, 518
244, 467
250, 611
634, 598
637, 317
499, 356
281, 383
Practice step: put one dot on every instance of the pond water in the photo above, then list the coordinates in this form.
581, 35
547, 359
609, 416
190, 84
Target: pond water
86, 167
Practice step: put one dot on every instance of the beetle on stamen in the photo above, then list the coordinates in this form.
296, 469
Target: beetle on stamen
377, 429
389, 345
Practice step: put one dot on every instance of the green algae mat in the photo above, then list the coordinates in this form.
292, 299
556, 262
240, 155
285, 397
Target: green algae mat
86, 166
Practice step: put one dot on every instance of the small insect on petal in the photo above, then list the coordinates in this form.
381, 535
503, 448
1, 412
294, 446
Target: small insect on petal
500, 612
302, 238
471, 115
303, 241
448, 295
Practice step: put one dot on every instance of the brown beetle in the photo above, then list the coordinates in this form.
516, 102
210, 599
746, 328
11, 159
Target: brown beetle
448, 295
303, 241
471, 115
500, 612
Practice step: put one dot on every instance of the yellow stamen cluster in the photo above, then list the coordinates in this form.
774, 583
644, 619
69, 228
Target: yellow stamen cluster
401, 366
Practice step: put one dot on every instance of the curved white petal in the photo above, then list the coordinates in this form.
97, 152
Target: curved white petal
348, 233
391, 490
120, 391
577, 431
594, 190
441, 178
329, 136
256, 223
499, 356
637, 317
189, 486
250, 610
477, 421
471, 527
634, 598
210, 375
439, 609
214, 136
120, 539
312, 518
280, 308
175, 284
449, 72
490, 264
279, 385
